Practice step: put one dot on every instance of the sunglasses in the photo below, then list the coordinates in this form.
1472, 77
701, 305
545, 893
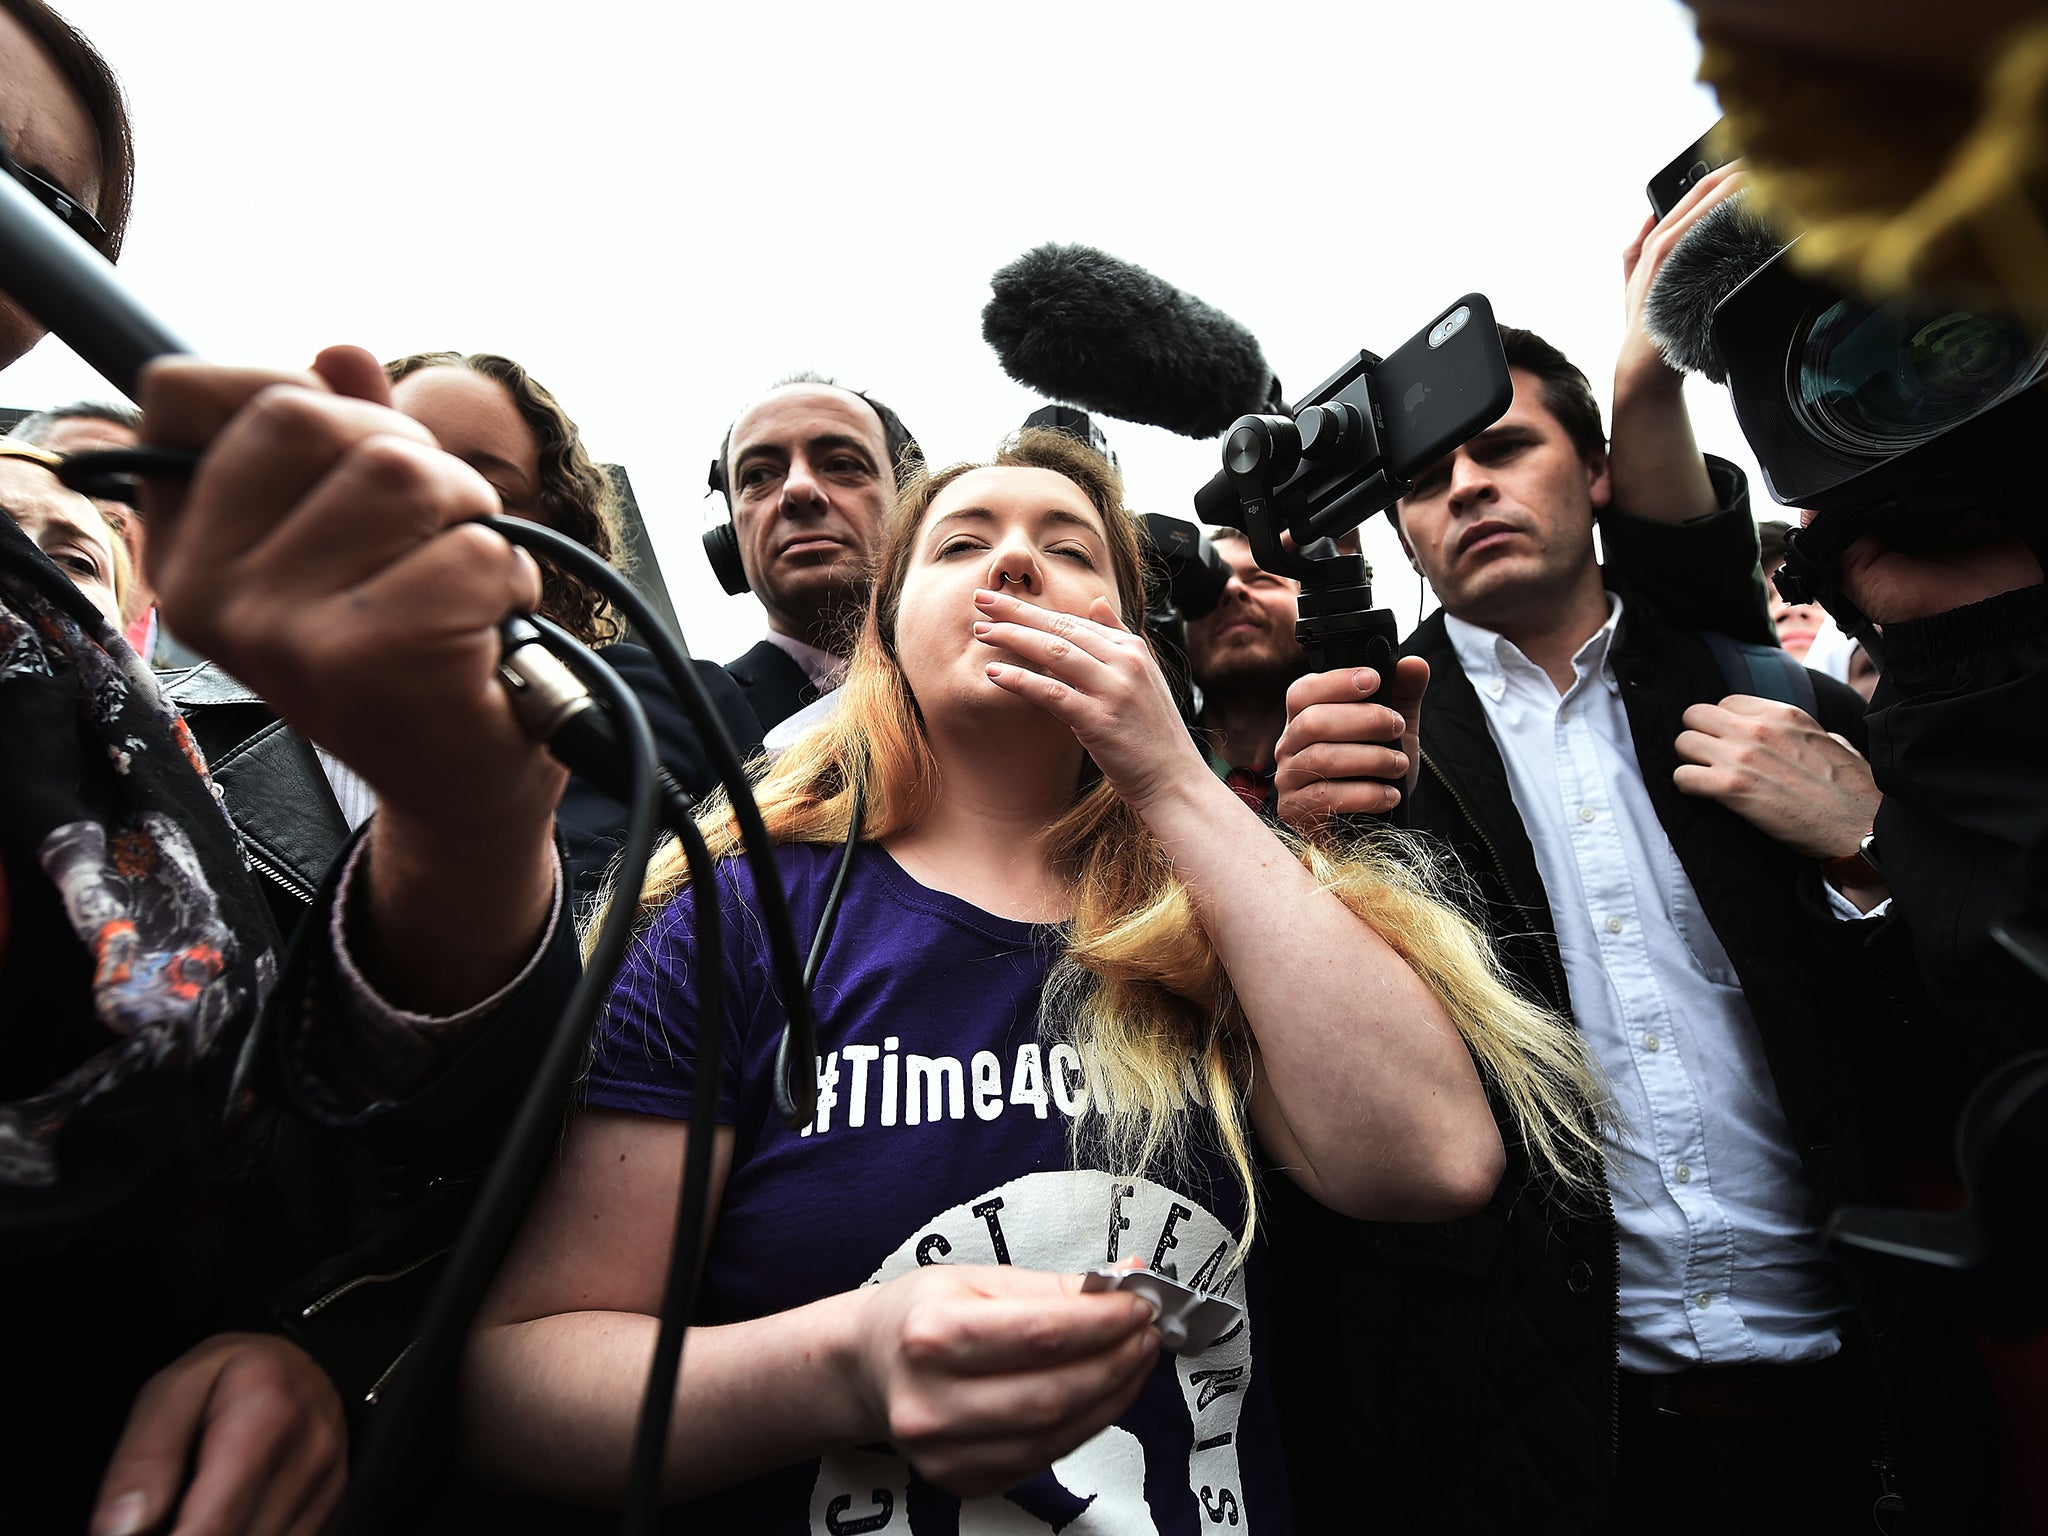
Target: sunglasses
75, 216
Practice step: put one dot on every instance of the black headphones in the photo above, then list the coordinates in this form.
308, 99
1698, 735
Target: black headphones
722, 543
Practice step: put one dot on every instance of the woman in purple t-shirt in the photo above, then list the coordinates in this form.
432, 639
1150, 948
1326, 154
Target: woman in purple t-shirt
1073, 979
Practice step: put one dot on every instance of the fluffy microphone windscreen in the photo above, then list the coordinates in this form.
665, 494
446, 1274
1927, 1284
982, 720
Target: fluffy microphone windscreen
1080, 326
1716, 256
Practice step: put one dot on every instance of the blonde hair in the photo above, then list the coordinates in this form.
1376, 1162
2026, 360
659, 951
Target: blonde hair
1140, 991
127, 592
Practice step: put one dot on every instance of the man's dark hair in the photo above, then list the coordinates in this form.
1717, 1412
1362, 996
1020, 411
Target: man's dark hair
35, 427
89, 76
905, 457
1566, 394
1770, 538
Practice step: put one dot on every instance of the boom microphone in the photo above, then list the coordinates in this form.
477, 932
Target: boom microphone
1079, 326
1716, 256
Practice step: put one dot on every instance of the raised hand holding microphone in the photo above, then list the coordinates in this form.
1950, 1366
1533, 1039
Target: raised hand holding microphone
322, 553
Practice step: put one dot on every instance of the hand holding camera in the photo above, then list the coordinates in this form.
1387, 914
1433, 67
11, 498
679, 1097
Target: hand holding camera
1351, 737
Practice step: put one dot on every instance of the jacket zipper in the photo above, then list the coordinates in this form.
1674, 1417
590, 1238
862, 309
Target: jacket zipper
276, 876
1889, 1499
322, 1303
1606, 1197
377, 1387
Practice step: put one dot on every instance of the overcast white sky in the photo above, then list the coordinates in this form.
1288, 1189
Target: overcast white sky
659, 208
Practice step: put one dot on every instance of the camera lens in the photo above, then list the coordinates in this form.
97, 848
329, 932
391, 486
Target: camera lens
1887, 379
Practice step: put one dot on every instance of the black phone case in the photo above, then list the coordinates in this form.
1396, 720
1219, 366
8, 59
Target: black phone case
1668, 187
1432, 398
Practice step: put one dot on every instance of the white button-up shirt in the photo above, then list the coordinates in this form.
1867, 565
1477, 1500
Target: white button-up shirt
1721, 1256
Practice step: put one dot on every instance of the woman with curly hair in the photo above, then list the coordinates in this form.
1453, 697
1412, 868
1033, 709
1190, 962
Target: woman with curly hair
490, 412
1078, 993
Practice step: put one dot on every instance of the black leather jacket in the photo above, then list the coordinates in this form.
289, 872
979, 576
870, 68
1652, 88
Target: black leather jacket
271, 781
292, 827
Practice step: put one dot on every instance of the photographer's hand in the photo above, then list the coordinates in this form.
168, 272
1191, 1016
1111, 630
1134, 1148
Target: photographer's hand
1654, 461
322, 554
1896, 586
1339, 728
1775, 767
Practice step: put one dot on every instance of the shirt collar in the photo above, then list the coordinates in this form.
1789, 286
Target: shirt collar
1489, 659
823, 668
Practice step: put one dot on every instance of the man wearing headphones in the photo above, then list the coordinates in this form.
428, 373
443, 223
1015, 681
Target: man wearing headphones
809, 472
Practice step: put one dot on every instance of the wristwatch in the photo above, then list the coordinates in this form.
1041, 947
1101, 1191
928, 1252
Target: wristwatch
1860, 869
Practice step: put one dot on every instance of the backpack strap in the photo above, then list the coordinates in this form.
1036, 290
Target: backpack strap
1763, 670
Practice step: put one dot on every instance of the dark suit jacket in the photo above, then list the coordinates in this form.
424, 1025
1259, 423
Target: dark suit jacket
774, 682
593, 823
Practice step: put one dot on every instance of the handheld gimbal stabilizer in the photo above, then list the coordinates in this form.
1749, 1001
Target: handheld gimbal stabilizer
1351, 448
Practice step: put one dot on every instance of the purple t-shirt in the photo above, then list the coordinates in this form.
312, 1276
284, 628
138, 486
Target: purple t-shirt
941, 1137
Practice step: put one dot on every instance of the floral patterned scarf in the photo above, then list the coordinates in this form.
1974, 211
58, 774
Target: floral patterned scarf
102, 788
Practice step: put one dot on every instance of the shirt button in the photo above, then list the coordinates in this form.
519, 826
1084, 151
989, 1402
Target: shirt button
1564, 717
1587, 813
1614, 925
1704, 1300
1685, 1177
1652, 1043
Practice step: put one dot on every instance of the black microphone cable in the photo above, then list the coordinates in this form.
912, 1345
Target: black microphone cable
398, 1429
686, 1267
796, 1093
595, 747
74, 291
642, 1503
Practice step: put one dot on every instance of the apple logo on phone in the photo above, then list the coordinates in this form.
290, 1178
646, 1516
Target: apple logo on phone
1417, 393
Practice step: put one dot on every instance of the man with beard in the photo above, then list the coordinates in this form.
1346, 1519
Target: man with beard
810, 471
1242, 654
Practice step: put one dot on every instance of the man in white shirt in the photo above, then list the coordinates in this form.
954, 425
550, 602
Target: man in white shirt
1680, 872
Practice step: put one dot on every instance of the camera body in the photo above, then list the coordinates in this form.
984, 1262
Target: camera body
1353, 445
1184, 576
1920, 415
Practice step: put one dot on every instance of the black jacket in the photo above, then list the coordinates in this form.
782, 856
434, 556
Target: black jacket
593, 824
774, 682
1472, 1385
89, 1321
1959, 744
272, 783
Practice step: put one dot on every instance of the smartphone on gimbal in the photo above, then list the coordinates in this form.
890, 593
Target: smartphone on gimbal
1441, 387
